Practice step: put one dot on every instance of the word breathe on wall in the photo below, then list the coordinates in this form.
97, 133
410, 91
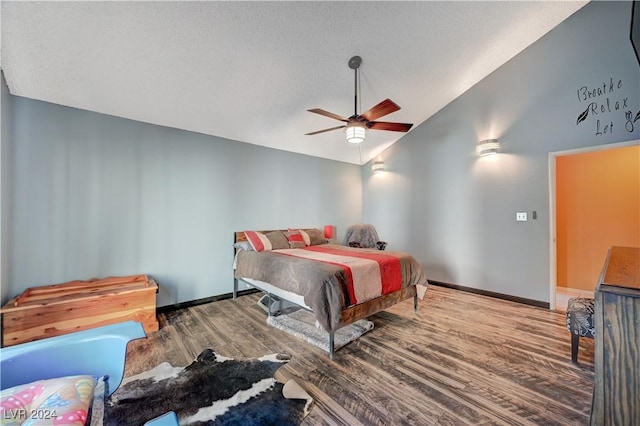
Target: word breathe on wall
606, 103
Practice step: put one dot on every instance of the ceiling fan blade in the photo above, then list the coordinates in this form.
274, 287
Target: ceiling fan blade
394, 127
383, 108
325, 130
328, 114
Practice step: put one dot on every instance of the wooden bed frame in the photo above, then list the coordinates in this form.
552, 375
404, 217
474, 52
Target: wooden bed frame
349, 315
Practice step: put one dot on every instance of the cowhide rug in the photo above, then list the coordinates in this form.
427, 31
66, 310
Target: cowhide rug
213, 390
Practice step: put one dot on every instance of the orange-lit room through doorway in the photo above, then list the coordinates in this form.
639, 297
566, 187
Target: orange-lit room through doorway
597, 200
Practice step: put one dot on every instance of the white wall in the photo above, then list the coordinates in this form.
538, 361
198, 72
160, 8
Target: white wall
456, 212
96, 195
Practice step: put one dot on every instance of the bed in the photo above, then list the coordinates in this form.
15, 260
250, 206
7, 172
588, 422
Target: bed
96, 353
339, 284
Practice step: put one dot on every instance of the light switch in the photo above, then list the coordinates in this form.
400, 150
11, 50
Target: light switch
521, 216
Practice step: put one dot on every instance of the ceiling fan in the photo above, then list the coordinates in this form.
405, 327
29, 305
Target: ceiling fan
357, 125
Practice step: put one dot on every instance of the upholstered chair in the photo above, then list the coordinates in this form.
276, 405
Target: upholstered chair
363, 235
579, 322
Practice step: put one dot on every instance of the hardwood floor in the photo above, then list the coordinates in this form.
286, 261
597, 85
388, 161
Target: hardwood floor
462, 359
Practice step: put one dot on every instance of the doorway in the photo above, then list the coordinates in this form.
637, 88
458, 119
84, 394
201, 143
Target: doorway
573, 245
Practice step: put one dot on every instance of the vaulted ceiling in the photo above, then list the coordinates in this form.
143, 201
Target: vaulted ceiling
249, 71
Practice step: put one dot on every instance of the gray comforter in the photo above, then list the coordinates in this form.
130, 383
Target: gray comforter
322, 285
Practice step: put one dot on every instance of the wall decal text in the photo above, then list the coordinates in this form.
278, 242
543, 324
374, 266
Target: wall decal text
607, 105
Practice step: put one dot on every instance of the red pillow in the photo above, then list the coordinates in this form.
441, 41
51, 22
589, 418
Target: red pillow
295, 236
296, 239
305, 237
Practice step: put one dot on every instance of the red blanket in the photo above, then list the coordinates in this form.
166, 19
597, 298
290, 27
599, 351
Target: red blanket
369, 274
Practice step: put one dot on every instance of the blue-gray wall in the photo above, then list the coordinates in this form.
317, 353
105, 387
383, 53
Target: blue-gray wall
95, 195
5, 186
456, 212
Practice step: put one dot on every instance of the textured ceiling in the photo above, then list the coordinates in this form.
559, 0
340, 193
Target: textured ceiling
248, 71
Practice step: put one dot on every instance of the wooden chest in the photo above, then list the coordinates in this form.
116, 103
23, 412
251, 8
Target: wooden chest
53, 310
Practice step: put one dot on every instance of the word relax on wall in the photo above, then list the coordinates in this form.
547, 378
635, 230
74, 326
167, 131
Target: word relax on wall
605, 104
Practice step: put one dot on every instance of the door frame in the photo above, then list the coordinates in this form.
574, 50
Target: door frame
553, 260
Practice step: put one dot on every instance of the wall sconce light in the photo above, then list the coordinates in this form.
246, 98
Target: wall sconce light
328, 232
488, 147
377, 166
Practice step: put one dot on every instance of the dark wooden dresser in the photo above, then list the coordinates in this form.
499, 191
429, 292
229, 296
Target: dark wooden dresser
616, 397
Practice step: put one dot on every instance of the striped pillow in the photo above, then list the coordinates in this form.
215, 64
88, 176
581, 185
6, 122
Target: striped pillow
258, 241
305, 237
296, 239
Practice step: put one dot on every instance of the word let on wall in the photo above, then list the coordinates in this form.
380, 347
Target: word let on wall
607, 107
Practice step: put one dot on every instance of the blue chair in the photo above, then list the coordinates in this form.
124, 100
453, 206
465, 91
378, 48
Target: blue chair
97, 352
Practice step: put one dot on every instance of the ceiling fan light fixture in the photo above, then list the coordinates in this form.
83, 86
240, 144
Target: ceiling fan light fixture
355, 132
